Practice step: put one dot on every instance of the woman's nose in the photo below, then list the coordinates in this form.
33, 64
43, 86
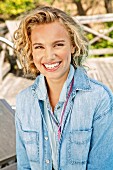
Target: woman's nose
49, 53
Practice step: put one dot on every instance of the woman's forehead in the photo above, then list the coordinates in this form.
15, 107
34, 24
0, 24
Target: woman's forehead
49, 30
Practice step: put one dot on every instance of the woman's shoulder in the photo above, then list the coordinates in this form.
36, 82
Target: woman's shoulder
97, 91
24, 92
100, 87
103, 95
84, 82
28, 91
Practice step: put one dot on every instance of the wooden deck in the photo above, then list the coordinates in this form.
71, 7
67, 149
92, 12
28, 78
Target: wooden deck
99, 68
102, 70
7, 134
10, 167
11, 86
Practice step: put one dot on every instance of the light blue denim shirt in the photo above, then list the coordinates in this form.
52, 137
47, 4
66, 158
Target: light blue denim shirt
51, 126
86, 134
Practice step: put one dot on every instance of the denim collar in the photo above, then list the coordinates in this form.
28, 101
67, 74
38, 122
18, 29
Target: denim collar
81, 82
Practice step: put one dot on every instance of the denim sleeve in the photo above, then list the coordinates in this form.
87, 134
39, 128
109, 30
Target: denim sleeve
22, 159
101, 149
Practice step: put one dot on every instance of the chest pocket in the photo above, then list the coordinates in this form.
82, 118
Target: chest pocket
78, 146
31, 141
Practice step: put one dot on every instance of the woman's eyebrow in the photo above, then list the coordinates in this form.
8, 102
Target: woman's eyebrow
57, 41
37, 44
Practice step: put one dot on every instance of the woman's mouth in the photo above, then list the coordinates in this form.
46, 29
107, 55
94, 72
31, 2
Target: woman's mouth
52, 66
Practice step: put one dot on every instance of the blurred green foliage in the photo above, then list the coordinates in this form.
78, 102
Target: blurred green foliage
11, 8
102, 43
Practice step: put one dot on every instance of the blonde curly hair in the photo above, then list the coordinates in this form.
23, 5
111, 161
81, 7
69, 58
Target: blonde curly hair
42, 15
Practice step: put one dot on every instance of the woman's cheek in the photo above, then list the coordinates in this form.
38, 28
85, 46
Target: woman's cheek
35, 59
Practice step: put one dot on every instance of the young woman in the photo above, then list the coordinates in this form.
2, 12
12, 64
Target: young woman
64, 121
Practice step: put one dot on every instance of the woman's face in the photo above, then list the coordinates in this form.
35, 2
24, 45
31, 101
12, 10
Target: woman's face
51, 50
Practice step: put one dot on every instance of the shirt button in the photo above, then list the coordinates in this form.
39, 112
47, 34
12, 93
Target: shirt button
46, 138
47, 161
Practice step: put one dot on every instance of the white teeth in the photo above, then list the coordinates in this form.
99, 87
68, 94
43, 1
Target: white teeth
50, 66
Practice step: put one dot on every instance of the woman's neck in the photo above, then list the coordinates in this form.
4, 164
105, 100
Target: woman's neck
54, 90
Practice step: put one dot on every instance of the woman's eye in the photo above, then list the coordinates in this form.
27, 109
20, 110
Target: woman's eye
59, 45
38, 47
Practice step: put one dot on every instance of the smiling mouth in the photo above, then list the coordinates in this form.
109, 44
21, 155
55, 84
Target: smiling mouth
51, 66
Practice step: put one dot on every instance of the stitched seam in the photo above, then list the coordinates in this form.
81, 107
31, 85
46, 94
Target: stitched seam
106, 89
102, 115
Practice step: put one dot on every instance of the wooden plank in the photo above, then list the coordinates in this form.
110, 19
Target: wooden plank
7, 133
101, 59
11, 167
103, 71
2, 56
6, 41
94, 18
101, 51
107, 70
5, 69
97, 38
7, 106
12, 85
97, 33
104, 67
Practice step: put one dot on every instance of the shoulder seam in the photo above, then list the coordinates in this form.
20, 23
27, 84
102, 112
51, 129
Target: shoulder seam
107, 89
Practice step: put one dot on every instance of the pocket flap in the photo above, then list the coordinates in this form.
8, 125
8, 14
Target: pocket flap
80, 136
